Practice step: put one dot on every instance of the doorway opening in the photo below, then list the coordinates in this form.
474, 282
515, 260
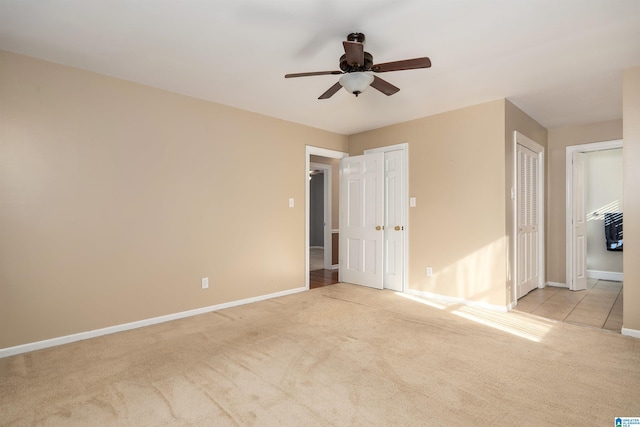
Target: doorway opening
587, 209
321, 229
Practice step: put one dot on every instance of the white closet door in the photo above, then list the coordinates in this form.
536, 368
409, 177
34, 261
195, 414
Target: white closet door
527, 221
394, 227
361, 219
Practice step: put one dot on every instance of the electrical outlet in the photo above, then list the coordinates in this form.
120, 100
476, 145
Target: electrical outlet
205, 283
429, 272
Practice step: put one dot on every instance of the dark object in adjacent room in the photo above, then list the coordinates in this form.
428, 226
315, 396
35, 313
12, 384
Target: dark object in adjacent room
613, 231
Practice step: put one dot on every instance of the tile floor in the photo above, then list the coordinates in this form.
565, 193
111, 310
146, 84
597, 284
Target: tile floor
599, 306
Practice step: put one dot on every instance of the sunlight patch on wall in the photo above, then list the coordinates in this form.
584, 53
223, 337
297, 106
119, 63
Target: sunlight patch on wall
478, 276
598, 214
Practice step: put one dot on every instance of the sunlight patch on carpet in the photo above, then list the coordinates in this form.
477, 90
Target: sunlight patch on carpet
523, 327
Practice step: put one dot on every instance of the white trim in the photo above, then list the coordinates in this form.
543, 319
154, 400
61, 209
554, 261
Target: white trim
39, 345
316, 151
582, 148
326, 230
401, 146
605, 275
456, 300
630, 332
557, 285
521, 139
404, 147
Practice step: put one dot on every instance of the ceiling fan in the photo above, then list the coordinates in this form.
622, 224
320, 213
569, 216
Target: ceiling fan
356, 67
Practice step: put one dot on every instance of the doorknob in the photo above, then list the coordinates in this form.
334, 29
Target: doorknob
378, 228
397, 228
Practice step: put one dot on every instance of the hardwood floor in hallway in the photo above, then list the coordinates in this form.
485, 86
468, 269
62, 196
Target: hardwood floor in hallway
599, 306
320, 278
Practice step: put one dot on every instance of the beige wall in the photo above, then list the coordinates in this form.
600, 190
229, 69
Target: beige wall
516, 120
631, 154
559, 140
116, 199
456, 174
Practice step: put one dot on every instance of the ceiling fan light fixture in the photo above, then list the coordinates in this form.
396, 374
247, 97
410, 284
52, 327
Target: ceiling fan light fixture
356, 82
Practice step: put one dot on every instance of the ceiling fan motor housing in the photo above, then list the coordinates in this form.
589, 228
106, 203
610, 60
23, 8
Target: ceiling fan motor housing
356, 37
347, 68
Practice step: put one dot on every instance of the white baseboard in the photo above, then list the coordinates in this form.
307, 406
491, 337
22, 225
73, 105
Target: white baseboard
557, 284
630, 332
39, 345
455, 300
605, 275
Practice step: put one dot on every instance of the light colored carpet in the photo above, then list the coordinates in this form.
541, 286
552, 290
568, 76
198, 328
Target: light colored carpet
338, 355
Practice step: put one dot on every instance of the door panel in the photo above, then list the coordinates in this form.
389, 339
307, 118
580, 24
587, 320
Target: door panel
579, 225
394, 227
527, 221
361, 214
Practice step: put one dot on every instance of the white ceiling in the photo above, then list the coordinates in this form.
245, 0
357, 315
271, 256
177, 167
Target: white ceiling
558, 60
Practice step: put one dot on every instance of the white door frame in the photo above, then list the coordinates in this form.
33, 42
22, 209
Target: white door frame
519, 138
404, 147
582, 148
326, 231
316, 151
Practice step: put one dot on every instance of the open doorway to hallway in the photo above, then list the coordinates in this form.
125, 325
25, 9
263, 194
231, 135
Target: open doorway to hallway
595, 199
321, 251
322, 216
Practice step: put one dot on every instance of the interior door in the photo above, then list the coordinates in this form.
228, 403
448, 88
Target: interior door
528, 253
361, 220
394, 227
579, 221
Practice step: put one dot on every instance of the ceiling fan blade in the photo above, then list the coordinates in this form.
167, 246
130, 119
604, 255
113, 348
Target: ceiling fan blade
313, 73
384, 86
407, 64
329, 93
354, 52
